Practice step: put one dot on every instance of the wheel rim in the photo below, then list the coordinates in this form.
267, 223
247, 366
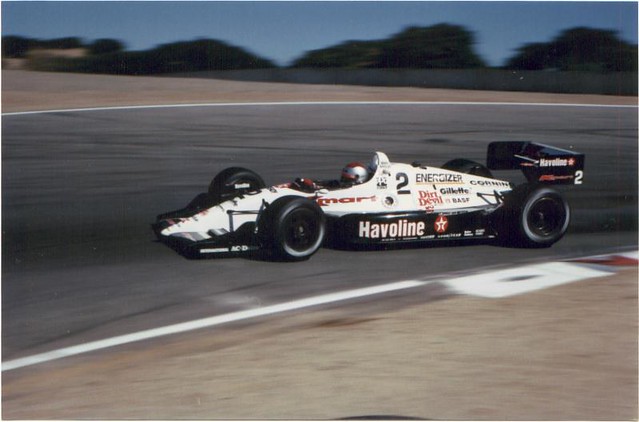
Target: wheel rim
546, 217
303, 231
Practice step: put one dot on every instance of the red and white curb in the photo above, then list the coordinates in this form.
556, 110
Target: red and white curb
620, 260
493, 284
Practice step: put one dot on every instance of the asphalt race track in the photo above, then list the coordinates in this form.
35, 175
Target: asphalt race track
79, 190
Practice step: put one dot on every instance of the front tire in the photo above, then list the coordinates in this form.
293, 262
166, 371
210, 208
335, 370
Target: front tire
534, 217
293, 228
234, 181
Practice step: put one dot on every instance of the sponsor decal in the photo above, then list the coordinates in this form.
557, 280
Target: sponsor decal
553, 178
490, 183
449, 236
235, 248
458, 200
382, 182
557, 162
214, 250
454, 191
428, 200
428, 178
324, 202
399, 228
441, 224
239, 248
242, 186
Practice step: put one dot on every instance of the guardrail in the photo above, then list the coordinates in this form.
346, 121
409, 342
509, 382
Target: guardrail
613, 83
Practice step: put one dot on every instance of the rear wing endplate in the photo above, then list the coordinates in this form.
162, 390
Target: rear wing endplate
540, 163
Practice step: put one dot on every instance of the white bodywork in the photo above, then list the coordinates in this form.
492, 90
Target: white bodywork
393, 187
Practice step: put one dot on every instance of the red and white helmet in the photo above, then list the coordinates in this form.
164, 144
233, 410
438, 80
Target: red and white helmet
354, 173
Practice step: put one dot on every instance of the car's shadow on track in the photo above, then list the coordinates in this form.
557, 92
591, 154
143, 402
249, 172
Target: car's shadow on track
267, 256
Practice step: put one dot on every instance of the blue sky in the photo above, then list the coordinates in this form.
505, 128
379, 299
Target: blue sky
283, 31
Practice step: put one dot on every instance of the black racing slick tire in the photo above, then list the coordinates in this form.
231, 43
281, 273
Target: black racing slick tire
234, 181
534, 217
292, 228
463, 165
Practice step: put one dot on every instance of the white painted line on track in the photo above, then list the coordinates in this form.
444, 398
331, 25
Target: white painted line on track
490, 284
317, 103
208, 322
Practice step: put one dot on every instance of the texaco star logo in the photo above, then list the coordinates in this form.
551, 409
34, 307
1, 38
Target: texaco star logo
441, 224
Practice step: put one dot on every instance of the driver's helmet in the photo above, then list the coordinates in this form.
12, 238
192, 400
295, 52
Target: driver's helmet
354, 173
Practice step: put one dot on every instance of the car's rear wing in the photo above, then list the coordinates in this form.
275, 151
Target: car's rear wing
539, 163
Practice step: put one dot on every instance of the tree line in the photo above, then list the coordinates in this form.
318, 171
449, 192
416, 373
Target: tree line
108, 56
441, 46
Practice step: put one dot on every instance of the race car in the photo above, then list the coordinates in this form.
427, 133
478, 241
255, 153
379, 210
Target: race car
381, 204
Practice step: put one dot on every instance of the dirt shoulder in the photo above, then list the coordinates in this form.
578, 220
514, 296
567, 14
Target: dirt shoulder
30, 91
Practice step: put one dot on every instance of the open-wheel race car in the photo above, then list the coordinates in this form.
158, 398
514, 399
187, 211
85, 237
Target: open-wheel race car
381, 204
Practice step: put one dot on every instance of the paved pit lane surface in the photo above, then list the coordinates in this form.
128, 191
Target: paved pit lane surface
81, 188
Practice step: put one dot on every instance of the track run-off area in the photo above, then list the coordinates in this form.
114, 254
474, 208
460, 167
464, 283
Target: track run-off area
125, 328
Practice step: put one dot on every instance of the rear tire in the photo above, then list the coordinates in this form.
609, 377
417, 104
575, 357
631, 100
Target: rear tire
463, 165
533, 217
292, 228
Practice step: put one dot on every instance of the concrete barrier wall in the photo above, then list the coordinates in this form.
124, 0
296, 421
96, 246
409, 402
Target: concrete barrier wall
617, 83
